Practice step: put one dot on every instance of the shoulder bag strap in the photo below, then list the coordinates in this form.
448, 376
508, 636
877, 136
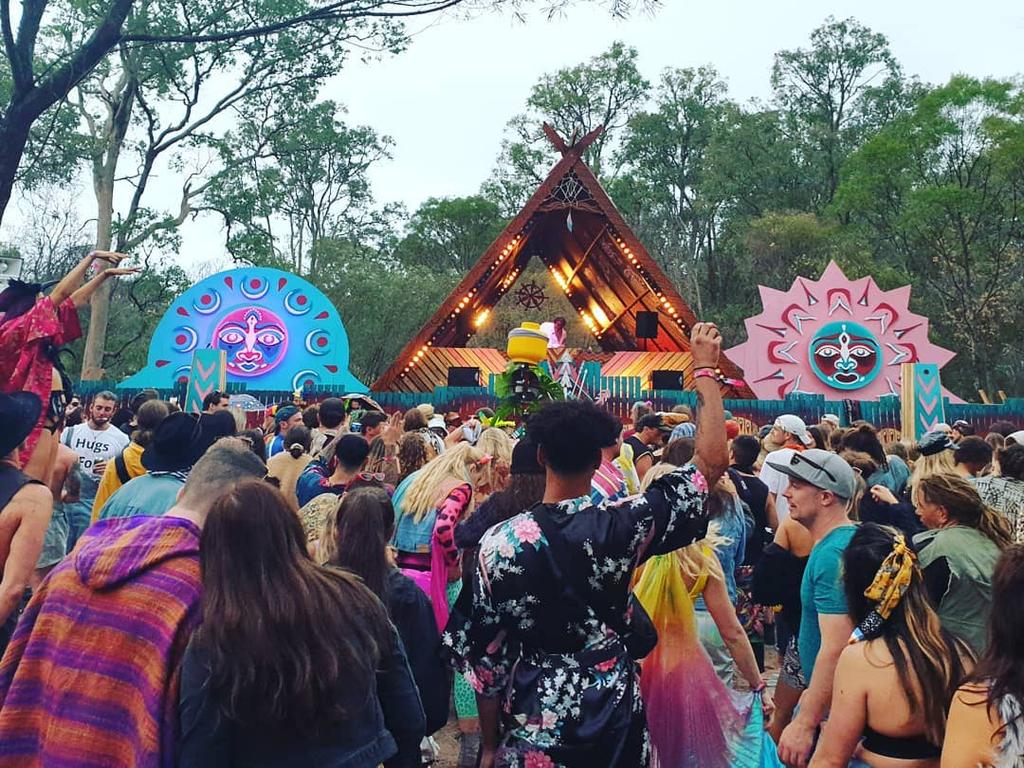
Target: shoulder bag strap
121, 468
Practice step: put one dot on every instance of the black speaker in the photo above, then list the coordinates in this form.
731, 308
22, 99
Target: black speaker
463, 377
666, 379
647, 325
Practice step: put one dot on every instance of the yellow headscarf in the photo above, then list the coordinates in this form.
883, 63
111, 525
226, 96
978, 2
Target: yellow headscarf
893, 577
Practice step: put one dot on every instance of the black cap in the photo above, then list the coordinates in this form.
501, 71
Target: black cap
652, 421
932, 443
181, 439
19, 414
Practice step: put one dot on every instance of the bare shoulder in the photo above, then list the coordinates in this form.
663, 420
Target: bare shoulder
854, 661
974, 695
66, 457
33, 494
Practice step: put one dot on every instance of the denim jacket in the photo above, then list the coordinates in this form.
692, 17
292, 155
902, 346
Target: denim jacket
388, 730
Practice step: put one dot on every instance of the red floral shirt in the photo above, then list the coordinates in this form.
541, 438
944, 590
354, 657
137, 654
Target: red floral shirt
24, 365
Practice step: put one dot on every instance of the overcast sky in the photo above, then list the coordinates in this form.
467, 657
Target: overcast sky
445, 100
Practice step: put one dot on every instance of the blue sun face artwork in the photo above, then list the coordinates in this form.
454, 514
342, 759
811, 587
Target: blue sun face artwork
279, 333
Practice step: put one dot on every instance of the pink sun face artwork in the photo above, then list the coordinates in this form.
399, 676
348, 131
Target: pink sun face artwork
836, 337
254, 338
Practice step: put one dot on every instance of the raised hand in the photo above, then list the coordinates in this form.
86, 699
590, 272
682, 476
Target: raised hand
705, 345
111, 257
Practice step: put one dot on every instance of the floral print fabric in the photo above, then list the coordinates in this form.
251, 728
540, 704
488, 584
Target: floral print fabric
24, 365
525, 632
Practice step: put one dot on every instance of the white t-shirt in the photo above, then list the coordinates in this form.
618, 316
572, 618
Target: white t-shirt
92, 446
776, 481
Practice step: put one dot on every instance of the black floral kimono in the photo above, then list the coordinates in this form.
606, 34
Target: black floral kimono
537, 631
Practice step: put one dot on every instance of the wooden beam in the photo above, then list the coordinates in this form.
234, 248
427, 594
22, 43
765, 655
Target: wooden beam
622, 314
586, 255
557, 141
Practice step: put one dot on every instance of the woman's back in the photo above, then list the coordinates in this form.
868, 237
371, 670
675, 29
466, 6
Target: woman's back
890, 726
287, 468
294, 664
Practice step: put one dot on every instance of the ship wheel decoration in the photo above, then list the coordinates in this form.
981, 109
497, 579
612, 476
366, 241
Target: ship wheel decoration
530, 295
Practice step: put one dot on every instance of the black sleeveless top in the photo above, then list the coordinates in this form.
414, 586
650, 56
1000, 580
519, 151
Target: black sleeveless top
12, 480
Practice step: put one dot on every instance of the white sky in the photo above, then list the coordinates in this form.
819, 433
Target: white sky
445, 101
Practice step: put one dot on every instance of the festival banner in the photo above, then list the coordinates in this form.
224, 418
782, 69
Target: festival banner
209, 374
921, 398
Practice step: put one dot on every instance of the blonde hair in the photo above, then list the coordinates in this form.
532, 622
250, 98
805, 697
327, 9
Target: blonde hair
940, 463
494, 442
421, 497
699, 557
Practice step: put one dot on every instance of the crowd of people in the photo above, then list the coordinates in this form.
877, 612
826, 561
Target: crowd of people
328, 588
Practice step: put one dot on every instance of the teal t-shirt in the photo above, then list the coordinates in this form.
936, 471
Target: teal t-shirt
151, 494
821, 592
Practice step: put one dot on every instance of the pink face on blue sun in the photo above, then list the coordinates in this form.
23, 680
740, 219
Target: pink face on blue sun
255, 340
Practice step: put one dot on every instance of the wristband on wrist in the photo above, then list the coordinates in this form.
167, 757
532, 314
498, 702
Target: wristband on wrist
706, 372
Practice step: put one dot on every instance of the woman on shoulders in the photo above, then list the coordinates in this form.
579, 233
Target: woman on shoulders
894, 681
986, 719
294, 664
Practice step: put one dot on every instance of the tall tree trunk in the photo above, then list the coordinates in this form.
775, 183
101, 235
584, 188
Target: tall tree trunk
99, 309
104, 174
13, 138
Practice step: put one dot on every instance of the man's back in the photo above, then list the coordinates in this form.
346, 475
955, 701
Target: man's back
776, 481
91, 676
151, 494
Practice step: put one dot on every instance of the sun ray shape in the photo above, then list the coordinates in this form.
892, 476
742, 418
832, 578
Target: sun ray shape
834, 336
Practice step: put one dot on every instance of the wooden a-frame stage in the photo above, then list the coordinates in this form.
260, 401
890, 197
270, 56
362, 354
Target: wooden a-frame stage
605, 272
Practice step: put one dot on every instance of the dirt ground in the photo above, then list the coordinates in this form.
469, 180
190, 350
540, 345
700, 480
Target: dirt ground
448, 737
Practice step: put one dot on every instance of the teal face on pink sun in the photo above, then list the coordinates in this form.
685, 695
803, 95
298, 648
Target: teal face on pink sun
835, 337
845, 355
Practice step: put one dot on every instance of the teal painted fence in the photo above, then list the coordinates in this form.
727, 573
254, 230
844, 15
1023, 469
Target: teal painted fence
624, 391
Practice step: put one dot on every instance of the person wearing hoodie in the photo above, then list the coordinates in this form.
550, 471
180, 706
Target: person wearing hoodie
178, 442
92, 673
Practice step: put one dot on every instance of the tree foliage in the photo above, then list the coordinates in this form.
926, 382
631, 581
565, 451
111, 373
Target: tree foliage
605, 91
450, 233
939, 192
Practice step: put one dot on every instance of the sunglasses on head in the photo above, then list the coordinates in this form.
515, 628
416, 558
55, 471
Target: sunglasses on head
371, 477
799, 457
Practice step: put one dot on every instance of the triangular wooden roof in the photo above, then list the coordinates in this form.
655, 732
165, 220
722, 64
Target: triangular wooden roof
608, 276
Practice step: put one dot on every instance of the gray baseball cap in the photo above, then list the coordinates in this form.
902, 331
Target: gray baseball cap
822, 470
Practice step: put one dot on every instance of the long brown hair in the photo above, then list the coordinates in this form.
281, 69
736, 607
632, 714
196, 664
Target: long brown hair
365, 521
413, 453
963, 504
1001, 669
921, 649
292, 646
